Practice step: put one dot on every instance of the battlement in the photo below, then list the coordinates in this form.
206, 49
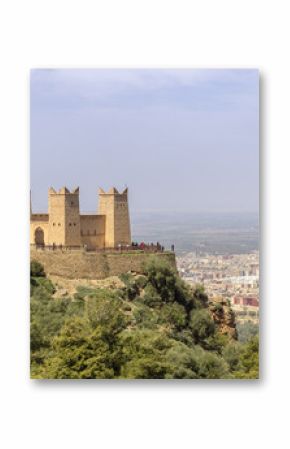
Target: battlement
77, 264
64, 191
113, 191
65, 226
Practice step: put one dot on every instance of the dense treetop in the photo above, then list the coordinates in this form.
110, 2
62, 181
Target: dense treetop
154, 327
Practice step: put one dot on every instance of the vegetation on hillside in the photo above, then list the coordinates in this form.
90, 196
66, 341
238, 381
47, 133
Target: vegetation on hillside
247, 330
154, 327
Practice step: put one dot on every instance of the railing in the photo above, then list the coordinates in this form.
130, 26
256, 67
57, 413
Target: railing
40, 247
142, 248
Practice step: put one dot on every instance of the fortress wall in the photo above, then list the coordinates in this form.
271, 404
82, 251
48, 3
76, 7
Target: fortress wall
56, 228
93, 241
72, 219
84, 265
106, 207
93, 231
122, 221
66, 227
91, 224
42, 224
39, 217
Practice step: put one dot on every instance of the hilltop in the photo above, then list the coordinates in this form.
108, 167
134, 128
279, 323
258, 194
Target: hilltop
135, 325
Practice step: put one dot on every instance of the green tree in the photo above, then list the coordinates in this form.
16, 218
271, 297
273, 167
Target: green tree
232, 355
105, 310
167, 283
155, 326
249, 360
79, 352
247, 330
195, 363
173, 315
202, 326
144, 354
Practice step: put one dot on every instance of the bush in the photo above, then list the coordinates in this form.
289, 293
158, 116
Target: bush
144, 354
141, 282
195, 363
151, 297
36, 269
167, 284
144, 316
200, 297
249, 360
155, 327
173, 315
79, 353
232, 355
202, 325
247, 330
83, 292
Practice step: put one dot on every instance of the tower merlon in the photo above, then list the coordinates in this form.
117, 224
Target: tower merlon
64, 191
65, 226
112, 191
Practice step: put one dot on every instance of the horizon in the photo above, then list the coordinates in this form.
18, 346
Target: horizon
183, 140
150, 211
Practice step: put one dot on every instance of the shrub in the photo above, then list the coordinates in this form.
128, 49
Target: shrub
201, 325
173, 315
151, 297
200, 297
144, 317
36, 269
247, 330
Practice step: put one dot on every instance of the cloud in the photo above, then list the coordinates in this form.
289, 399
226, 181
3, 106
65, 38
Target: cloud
101, 87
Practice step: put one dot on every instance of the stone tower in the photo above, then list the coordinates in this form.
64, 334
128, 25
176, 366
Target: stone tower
114, 206
64, 217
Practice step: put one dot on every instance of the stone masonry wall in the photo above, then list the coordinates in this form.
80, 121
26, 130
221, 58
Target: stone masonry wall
85, 265
122, 221
38, 224
93, 231
106, 207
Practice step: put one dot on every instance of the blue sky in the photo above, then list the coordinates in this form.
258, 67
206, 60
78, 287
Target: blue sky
182, 140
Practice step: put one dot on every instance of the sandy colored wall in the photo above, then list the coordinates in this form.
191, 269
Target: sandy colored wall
66, 227
106, 207
81, 265
93, 231
122, 222
56, 228
72, 220
114, 206
64, 218
39, 221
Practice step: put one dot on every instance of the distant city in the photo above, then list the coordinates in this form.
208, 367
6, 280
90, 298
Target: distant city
219, 251
212, 233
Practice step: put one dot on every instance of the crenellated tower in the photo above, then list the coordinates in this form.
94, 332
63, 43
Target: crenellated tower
64, 226
64, 217
114, 206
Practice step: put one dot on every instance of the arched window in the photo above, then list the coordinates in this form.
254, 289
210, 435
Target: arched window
39, 237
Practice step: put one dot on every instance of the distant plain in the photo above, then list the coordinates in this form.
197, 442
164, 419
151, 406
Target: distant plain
224, 233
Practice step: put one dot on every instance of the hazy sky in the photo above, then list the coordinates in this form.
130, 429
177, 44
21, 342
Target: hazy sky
182, 140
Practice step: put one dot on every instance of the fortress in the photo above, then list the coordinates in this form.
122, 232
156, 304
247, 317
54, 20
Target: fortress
64, 226
86, 246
